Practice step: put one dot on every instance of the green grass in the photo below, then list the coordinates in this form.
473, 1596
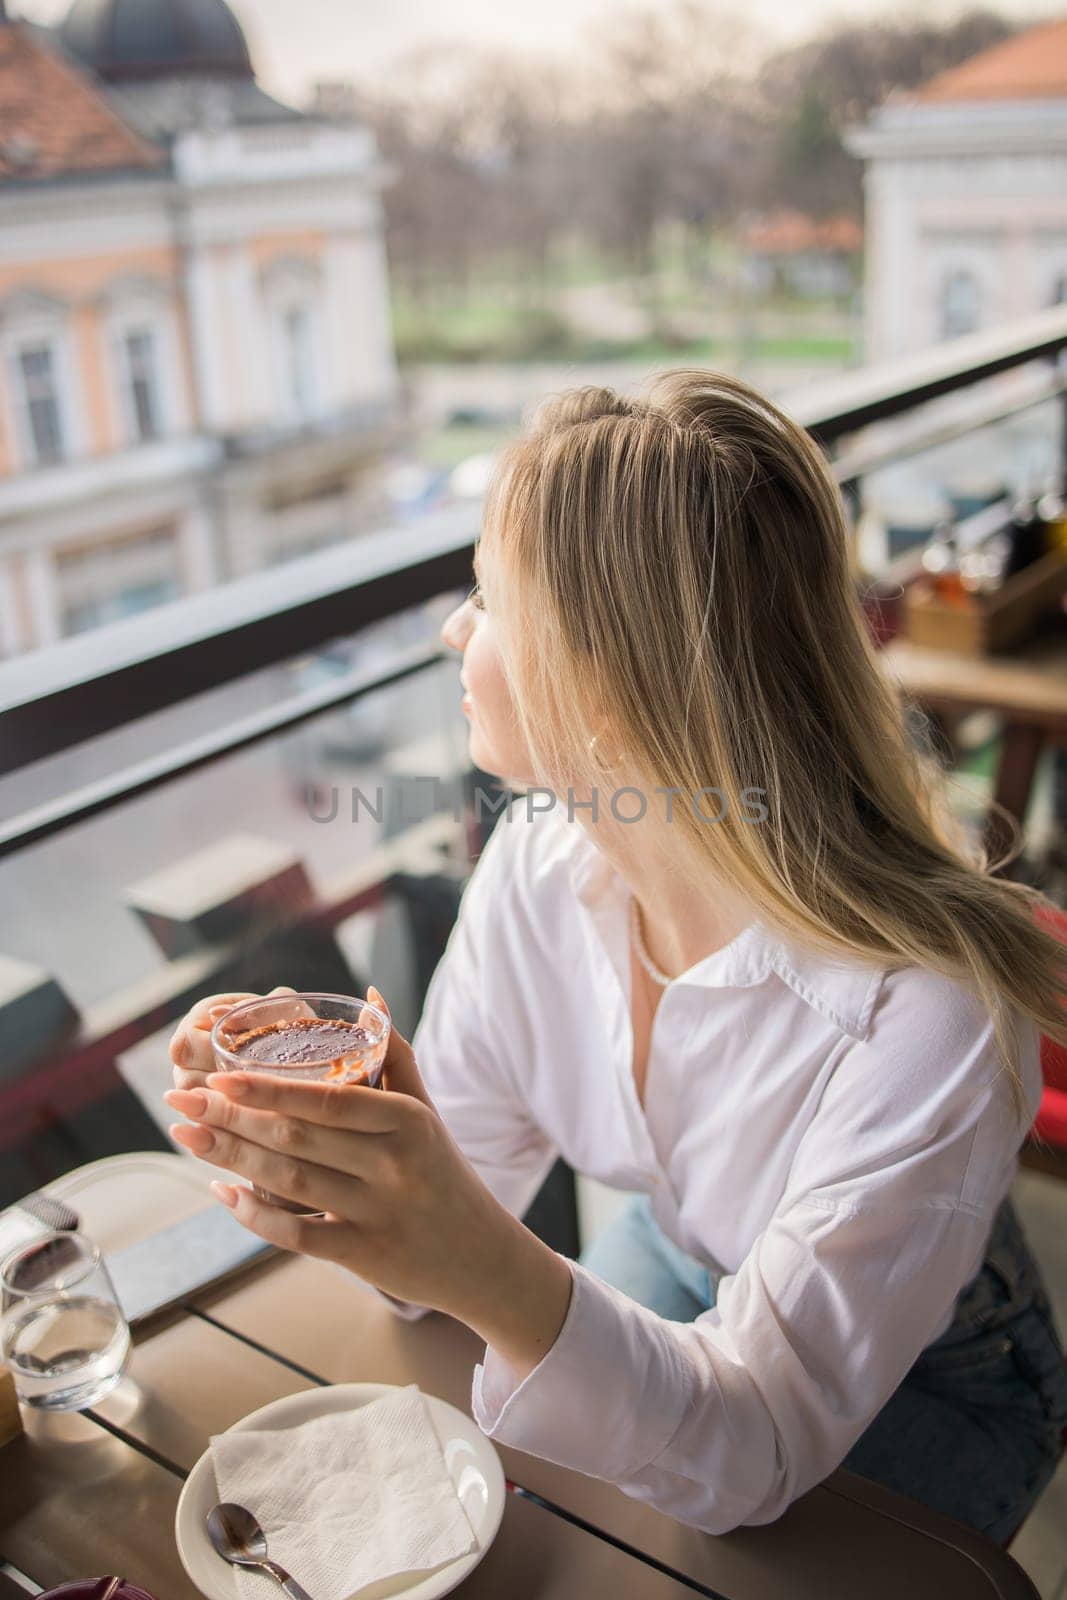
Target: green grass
447, 447
804, 347
479, 330
480, 321
502, 318
515, 348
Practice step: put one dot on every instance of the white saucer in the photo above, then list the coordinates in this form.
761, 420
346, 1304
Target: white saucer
469, 1456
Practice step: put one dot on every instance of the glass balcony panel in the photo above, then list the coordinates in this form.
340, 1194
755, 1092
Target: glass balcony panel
324, 857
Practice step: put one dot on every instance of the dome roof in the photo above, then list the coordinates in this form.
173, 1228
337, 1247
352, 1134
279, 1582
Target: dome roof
125, 41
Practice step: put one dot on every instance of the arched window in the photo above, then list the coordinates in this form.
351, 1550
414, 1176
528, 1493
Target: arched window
961, 303
42, 380
298, 358
293, 290
145, 361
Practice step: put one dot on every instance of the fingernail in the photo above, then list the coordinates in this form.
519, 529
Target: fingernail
375, 998
190, 1102
224, 1192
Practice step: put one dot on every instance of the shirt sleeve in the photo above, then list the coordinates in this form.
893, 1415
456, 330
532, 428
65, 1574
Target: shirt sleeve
461, 1041
726, 1420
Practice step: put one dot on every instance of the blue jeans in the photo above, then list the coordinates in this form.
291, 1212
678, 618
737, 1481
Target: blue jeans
976, 1427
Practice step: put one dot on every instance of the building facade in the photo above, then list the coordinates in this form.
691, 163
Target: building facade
966, 196
196, 368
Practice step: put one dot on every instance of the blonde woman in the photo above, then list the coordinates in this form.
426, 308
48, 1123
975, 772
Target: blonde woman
727, 952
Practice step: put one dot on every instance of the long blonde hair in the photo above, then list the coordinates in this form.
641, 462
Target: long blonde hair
681, 576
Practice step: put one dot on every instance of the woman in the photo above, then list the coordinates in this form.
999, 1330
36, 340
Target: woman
729, 953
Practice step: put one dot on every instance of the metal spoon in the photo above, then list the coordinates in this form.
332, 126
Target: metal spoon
239, 1539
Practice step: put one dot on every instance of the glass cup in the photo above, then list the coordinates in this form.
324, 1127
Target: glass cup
62, 1332
92, 1588
319, 1038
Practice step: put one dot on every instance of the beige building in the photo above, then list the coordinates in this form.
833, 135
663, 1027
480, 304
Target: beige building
196, 366
966, 196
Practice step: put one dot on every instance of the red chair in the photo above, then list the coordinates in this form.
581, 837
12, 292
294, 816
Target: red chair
1050, 1124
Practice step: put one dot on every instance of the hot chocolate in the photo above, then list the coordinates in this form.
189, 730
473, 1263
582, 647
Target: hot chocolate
335, 1048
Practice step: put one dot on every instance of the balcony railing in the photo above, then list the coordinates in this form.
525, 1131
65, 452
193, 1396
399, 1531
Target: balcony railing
71, 716
82, 687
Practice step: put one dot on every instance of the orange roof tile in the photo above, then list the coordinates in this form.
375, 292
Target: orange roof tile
1030, 66
787, 232
841, 232
53, 118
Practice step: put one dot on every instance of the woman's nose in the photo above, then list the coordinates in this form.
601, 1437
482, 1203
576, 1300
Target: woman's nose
454, 628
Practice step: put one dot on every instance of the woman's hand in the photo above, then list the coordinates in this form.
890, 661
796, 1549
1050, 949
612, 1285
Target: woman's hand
190, 1043
402, 1207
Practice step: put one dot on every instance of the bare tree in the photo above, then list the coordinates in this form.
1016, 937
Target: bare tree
670, 115
811, 93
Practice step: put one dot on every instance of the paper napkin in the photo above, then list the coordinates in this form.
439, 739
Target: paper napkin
346, 1498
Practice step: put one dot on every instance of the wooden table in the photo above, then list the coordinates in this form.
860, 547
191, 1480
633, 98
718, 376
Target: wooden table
1027, 686
84, 1495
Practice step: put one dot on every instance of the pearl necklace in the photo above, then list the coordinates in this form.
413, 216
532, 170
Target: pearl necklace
657, 975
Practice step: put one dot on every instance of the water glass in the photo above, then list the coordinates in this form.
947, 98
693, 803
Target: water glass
319, 1038
62, 1332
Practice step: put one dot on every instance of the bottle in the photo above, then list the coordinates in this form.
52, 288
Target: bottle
1026, 531
1053, 513
941, 563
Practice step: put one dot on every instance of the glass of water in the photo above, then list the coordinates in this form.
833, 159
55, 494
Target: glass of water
62, 1333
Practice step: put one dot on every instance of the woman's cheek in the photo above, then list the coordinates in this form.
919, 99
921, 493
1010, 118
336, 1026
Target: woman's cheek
497, 741
490, 743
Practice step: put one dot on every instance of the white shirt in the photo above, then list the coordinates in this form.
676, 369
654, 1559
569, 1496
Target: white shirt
834, 1139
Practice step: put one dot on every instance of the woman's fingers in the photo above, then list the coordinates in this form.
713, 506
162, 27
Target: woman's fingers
282, 1010
338, 1149
215, 1005
302, 1181
348, 1106
190, 1044
187, 1081
377, 999
309, 1236
401, 1073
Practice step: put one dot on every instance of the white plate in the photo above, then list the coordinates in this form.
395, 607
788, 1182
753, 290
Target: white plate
469, 1456
123, 1199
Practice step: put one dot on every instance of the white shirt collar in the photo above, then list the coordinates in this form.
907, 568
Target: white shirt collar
844, 993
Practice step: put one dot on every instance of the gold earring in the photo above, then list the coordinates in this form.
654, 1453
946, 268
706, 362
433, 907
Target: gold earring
604, 766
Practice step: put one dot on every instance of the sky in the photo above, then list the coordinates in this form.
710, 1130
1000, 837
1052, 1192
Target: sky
296, 42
